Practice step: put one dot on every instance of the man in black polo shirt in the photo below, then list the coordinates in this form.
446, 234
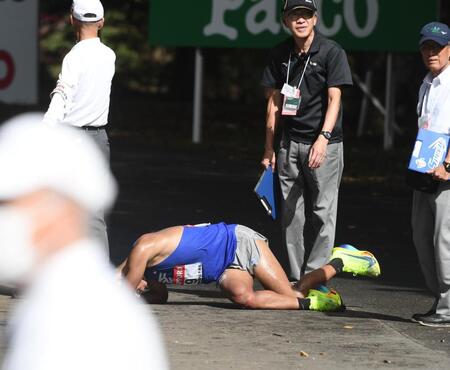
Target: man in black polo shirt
304, 77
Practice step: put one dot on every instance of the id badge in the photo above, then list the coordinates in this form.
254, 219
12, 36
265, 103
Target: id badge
291, 104
288, 90
425, 121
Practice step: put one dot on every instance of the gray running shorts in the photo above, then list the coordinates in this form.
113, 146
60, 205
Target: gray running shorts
247, 254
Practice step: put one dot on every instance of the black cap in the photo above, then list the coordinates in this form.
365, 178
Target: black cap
294, 4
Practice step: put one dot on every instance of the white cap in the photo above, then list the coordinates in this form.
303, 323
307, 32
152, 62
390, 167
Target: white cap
87, 10
35, 156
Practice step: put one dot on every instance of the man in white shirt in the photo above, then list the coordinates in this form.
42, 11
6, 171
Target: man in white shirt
431, 211
82, 94
74, 315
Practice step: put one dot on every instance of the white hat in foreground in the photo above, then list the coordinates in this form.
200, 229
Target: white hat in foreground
34, 156
87, 10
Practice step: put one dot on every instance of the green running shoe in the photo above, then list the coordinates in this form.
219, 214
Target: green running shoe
324, 299
357, 262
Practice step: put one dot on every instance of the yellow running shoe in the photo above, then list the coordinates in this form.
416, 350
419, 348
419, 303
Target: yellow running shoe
357, 262
324, 299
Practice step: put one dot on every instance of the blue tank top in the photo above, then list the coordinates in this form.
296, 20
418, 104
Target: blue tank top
203, 254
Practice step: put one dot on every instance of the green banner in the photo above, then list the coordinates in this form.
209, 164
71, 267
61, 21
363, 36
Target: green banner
359, 25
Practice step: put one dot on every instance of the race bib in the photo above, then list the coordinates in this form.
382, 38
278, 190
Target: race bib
180, 275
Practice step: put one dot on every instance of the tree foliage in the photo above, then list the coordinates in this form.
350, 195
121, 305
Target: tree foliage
139, 67
231, 75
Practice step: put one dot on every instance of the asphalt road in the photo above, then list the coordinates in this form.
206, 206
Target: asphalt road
162, 186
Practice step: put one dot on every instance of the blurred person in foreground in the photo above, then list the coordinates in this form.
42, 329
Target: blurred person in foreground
74, 315
233, 255
431, 210
304, 79
82, 94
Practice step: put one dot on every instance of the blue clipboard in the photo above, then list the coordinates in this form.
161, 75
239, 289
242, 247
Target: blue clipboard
265, 191
429, 151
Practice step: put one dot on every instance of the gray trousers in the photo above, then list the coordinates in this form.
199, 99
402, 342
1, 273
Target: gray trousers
431, 236
97, 223
309, 205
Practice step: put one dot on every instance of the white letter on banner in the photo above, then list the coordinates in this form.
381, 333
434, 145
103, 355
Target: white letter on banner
269, 23
337, 22
372, 18
217, 25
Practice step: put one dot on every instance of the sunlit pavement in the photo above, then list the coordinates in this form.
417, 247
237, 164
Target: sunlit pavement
202, 330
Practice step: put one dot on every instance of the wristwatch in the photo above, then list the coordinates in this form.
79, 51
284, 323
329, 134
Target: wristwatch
446, 166
327, 135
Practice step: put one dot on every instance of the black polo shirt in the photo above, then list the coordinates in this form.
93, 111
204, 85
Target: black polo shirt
328, 67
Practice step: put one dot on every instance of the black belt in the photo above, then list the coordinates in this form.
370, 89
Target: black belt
92, 128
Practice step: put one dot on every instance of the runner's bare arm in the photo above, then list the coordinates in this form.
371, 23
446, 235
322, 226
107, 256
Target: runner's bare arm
148, 251
134, 266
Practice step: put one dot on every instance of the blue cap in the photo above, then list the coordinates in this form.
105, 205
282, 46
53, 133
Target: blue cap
435, 31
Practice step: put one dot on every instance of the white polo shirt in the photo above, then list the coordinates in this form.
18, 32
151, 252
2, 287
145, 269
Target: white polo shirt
434, 100
81, 97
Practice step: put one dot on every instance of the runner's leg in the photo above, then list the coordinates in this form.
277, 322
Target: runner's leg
315, 278
270, 273
237, 285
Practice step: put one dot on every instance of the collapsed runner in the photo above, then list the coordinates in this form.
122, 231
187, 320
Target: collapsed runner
233, 255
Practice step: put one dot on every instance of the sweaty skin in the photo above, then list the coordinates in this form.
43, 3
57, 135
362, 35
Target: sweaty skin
149, 250
237, 285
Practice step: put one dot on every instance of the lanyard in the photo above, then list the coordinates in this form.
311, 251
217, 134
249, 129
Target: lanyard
303, 73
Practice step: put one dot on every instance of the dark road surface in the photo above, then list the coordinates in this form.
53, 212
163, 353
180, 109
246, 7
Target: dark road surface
161, 186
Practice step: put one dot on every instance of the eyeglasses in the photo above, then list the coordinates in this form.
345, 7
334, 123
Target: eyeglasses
300, 13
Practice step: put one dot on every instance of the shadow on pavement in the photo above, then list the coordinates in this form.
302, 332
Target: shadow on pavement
215, 294
199, 292
8, 291
228, 306
366, 315
396, 290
